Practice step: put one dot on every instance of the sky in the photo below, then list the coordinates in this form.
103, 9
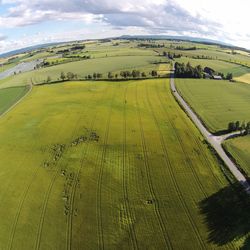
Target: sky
30, 22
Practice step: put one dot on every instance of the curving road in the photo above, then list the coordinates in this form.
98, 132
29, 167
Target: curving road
215, 141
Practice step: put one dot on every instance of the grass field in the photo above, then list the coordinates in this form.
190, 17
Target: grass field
220, 66
109, 165
239, 148
217, 102
244, 78
82, 68
9, 96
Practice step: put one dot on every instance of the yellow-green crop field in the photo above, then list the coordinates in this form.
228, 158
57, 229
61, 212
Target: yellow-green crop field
217, 102
109, 165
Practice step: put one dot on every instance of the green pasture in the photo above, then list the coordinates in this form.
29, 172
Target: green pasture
216, 102
219, 66
104, 165
239, 148
82, 68
9, 96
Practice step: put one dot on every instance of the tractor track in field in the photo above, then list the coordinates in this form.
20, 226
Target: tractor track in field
73, 189
177, 188
47, 195
206, 161
158, 127
191, 166
100, 175
20, 207
124, 176
72, 196
148, 174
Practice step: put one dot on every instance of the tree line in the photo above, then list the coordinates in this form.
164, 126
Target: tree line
134, 74
172, 55
238, 126
188, 71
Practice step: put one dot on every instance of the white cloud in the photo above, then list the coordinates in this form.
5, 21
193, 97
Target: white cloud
222, 20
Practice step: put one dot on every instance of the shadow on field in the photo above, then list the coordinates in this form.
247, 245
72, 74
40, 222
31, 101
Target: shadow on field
227, 215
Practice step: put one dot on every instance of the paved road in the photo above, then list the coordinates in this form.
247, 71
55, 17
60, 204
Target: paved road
215, 141
21, 67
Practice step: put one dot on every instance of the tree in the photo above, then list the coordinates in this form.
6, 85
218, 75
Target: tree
62, 76
229, 76
237, 125
135, 73
154, 73
243, 128
70, 76
231, 126
248, 128
48, 79
110, 76
143, 74
98, 75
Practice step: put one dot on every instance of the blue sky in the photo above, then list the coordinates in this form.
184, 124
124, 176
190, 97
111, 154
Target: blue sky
24, 23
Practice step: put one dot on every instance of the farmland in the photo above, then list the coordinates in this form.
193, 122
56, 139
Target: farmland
111, 164
217, 109
82, 68
244, 78
239, 149
119, 163
219, 66
218, 103
9, 96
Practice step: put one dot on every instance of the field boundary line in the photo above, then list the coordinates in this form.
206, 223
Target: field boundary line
18, 101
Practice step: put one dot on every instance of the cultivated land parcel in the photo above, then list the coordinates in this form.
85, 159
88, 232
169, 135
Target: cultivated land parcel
218, 104
118, 164
139, 185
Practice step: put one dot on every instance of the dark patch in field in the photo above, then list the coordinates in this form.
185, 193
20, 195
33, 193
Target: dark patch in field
227, 215
90, 136
57, 151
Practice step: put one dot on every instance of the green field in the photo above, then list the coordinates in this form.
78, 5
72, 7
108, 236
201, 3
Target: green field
9, 96
219, 66
82, 68
110, 165
244, 78
216, 102
239, 148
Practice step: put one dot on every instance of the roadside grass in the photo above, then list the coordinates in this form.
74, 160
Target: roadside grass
10, 96
107, 165
216, 102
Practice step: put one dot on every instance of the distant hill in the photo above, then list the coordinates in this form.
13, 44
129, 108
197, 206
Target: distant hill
183, 38
28, 49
